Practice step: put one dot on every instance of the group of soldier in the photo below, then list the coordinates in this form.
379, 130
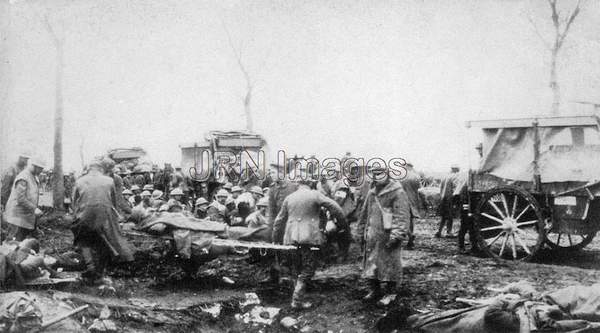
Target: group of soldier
231, 204
454, 201
309, 212
383, 209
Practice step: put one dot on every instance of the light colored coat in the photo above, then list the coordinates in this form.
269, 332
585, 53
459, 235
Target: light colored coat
8, 180
23, 200
447, 189
379, 262
300, 215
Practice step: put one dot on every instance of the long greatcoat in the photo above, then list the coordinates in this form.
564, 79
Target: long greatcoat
94, 204
411, 184
8, 180
23, 200
380, 263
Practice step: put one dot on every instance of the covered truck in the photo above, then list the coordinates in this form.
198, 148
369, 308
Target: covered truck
224, 156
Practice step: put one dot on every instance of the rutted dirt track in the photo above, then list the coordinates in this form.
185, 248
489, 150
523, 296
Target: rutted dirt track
157, 297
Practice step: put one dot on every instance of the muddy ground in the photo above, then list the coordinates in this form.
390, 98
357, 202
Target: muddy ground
155, 295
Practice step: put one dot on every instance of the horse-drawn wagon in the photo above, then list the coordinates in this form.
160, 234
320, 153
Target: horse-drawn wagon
538, 183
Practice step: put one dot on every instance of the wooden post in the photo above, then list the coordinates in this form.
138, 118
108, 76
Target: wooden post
537, 181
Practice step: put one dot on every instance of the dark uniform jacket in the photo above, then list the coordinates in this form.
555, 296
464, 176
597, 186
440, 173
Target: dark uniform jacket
277, 193
94, 202
122, 205
411, 184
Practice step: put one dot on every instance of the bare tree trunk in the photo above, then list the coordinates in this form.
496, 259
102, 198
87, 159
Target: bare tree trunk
81, 156
5, 80
247, 99
554, 84
248, 110
58, 186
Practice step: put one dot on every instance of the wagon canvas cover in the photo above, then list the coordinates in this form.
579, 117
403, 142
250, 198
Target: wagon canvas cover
566, 153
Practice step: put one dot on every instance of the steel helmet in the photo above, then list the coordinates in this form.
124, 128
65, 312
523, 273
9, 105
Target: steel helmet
107, 163
263, 202
222, 193
228, 186
173, 203
135, 188
26, 155
257, 190
39, 162
236, 189
201, 201
176, 191
156, 194
146, 194
127, 192
148, 187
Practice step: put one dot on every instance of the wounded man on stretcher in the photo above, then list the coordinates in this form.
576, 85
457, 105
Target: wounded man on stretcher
22, 261
573, 309
202, 239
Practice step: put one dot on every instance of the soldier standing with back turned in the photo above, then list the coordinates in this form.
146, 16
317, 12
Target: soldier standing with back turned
300, 216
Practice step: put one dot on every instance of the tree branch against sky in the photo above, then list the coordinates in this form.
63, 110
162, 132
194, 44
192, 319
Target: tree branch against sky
561, 24
247, 99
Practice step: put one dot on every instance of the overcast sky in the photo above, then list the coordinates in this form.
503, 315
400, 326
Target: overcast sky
376, 78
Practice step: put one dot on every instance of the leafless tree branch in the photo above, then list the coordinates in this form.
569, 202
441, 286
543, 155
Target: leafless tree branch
247, 99
570, 21
537, 32
238, 55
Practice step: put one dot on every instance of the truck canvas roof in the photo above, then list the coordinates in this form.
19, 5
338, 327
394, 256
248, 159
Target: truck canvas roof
559, 121
233, 139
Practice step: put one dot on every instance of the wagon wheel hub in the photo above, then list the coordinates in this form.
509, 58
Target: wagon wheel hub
510, 225
508, 220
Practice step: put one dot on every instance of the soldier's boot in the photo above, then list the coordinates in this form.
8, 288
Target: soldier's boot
391, 292
391, 287
90, 275
374, 291
475, 250
344, 249
298, 296
410, 245
438, 234
273, 277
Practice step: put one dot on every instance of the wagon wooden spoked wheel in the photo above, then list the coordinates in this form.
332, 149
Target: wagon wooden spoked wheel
509, 224
568, 242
